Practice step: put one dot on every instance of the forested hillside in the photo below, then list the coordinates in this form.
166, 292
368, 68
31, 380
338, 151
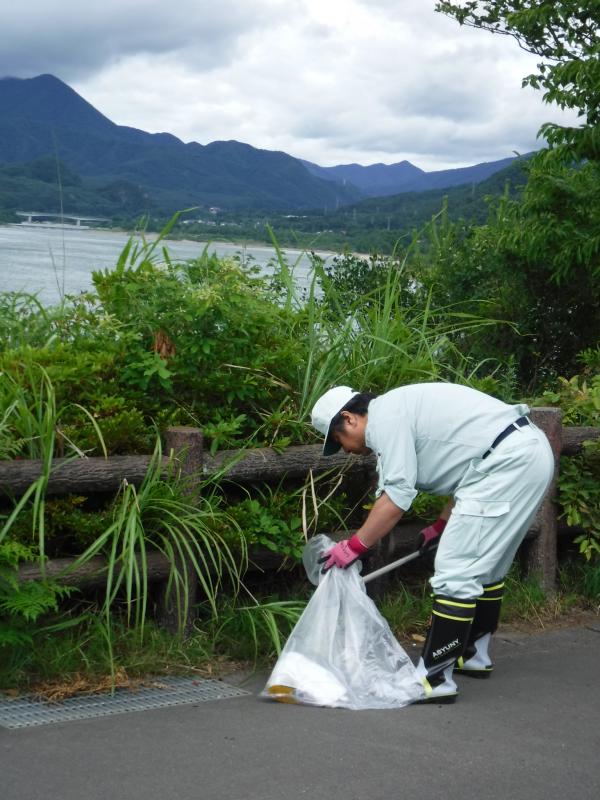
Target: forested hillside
376, 225
42, 116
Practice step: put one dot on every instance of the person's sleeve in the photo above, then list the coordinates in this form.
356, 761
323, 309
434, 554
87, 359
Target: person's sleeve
396, 462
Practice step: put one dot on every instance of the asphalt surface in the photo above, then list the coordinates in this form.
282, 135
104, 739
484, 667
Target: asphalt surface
532, 731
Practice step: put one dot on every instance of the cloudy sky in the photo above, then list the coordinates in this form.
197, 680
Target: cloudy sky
332, 81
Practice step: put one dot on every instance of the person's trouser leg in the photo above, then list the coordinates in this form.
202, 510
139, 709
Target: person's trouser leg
447, 637
494, 506
475, 660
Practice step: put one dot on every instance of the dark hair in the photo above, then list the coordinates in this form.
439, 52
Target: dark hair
358, 404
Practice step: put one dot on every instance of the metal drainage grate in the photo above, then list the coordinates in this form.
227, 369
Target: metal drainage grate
25, 712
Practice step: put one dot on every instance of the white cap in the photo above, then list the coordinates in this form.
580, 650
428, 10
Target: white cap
325, 410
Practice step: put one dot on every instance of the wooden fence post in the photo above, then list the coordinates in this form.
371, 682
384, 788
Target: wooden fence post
186, 445
541, 555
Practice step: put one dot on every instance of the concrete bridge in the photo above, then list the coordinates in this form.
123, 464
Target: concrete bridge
41, 217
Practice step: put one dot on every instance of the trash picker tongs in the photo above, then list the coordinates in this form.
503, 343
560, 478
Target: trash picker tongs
395, 564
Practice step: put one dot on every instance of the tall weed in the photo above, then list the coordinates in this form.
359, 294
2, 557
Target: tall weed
160, 516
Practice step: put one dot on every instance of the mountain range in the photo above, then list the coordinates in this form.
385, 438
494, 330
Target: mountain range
116, 169
382, 180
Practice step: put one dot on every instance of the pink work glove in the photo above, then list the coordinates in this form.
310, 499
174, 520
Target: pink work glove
429, 537
343, 554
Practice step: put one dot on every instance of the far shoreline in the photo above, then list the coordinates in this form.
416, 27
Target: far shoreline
152, 236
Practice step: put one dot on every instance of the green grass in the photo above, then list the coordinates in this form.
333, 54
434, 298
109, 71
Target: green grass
407, 611
256, 631
582, 578
525, 603
79, 656
89, 656
89, 653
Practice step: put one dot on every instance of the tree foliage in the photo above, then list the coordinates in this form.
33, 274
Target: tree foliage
555, 228
496, 271
557, 222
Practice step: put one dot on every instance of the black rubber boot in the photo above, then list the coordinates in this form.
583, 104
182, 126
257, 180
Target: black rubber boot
475, 661
448, 634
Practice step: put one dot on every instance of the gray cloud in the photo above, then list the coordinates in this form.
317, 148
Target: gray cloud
333, 82
74, 40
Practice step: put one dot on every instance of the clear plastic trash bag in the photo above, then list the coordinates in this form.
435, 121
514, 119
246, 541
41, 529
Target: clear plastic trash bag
342, 652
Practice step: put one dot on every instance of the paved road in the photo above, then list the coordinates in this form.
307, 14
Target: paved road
531, 732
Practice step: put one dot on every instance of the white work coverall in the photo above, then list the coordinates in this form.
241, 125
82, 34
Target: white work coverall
432, 436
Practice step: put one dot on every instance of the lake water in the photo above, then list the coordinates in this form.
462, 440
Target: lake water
52, 262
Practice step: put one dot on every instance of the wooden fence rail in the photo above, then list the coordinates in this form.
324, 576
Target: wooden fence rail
184, 445
92, 475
